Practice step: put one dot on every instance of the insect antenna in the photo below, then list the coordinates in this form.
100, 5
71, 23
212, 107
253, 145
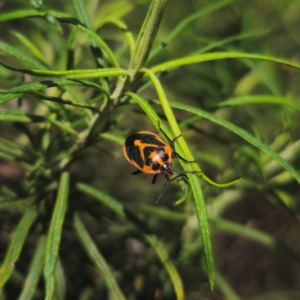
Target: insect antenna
181, 173
163, 189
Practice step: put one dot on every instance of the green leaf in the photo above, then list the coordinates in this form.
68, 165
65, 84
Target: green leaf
45, 84
219, 43
254, 235
146, 36
74, 74
16, 245
159, 248
14, 116
160, 212
60, 281
5, 98
84, 17
113, 137
242, 133
81, 11
101, 44
54, 234
185, 22
16, 205
128, 35
98, 259
257, 99
20, 14
31, 47
34, 273
194, 59
22, 56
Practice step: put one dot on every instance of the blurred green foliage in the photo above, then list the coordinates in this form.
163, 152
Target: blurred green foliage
78, 77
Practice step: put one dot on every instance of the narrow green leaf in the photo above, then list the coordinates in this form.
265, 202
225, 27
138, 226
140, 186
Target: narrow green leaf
20, 14
17, 205
110, 202
185, 22
117, 10
113, 137
254, 235
34, 273
74, 74
54, 234
5, 98
128, 35
199, 200
101, 44
45, 84
257, 99
81, 11
16, 245
98, 259
60, 282
21, 55
219, 43
30, 46
40, 6
159, 248
159, 212
16, 151
173, 64
14, 116
242, 133
146, 36
6, 144
168, 264
84, 17
64, 126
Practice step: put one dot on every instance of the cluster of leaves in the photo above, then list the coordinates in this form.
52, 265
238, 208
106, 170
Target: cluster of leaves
64, 118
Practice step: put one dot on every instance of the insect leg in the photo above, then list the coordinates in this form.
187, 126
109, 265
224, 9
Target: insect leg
177, 154
154, 178
172, 144
182, 158
136, 172
169, 140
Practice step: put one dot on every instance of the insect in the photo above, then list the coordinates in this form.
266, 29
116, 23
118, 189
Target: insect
151, 155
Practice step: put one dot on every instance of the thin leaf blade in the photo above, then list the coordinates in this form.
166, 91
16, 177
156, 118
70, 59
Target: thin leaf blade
194, 59
16, 245
54, 234
152, 239
242, 133
98, 259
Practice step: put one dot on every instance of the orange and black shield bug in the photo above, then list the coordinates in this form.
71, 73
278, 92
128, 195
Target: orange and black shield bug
152, 155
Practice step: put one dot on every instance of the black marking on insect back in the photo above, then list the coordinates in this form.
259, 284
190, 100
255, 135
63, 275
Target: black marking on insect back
131, 139
148, 161
134, 154
148, 151
165, 157
150, 139
155, 166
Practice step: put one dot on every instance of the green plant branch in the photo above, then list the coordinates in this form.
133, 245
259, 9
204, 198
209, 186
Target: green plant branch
146, 36
198, 197
173, 64
128, 35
